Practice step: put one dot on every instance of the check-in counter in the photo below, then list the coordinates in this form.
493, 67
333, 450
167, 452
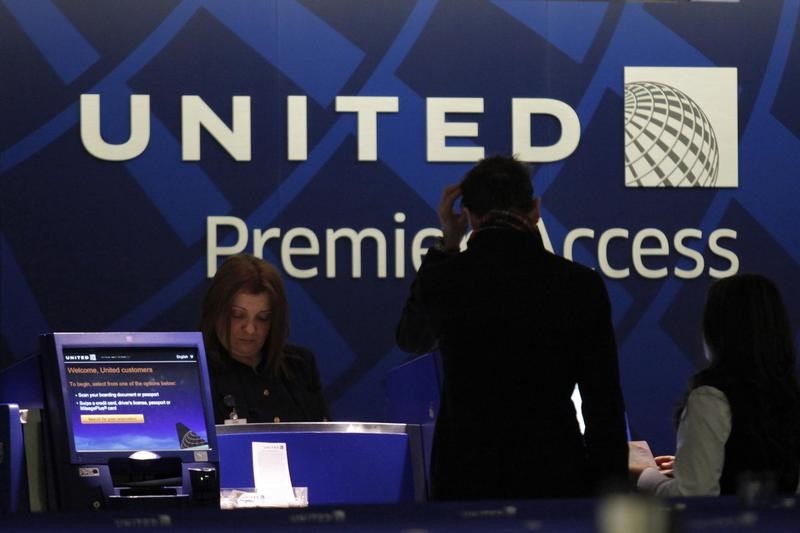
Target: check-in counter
13, 485
339, 462
412, 397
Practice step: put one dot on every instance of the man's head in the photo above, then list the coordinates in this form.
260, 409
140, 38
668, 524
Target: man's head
499, 183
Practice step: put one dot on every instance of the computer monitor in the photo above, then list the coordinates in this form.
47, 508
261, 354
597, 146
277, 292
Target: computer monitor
127, 414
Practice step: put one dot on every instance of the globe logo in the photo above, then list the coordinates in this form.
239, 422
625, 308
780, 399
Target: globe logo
669, 141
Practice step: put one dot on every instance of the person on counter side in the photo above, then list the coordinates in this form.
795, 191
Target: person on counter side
741, 415
255, 374
517, 327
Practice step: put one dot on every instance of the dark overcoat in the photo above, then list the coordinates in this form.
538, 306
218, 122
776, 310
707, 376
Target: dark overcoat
517, 327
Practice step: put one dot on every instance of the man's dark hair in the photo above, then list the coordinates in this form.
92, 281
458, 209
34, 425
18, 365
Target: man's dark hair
497, 183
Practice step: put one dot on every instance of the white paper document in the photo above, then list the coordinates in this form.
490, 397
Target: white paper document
639, 454
271, 474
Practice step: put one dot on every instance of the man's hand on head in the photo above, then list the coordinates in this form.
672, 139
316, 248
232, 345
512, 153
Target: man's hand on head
454, 225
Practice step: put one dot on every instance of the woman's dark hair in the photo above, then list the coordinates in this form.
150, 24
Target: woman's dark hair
253, 276
497, 183
747, 331
749, 341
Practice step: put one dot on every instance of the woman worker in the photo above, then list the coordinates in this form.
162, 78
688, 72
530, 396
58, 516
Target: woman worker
255, 374
741, 415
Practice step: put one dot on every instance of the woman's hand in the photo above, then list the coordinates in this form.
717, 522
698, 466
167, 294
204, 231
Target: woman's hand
665, 464
639, 458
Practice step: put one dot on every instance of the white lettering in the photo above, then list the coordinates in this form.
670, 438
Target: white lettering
213, 249
302, 241
694, 255
417, 250
235, 140
602, 253
399, 247
522, 110
733, 259
355, 239
545, 236
438, 129
92, 138
260, 239
287, 251
640, 251
297, 127
367, 109
574, 235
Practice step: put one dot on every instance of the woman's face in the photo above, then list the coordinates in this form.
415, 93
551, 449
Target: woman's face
251, 318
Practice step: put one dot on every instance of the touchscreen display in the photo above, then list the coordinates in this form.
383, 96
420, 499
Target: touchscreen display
133, 399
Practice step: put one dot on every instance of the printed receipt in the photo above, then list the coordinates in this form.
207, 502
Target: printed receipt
271, 474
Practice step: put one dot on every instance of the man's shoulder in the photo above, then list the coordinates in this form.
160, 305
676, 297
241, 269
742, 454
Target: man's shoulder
444, 270
570, 269
444, 267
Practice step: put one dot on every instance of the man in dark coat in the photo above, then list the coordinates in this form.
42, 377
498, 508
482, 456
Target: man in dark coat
517, 328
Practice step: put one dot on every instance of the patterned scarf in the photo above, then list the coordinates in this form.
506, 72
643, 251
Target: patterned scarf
498, 219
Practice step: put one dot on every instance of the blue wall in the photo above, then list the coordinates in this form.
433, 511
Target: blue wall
89, 243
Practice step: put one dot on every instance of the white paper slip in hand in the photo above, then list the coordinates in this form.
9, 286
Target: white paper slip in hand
639, 453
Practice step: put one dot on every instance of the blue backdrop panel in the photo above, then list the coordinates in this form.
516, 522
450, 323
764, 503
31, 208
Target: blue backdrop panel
92, 244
